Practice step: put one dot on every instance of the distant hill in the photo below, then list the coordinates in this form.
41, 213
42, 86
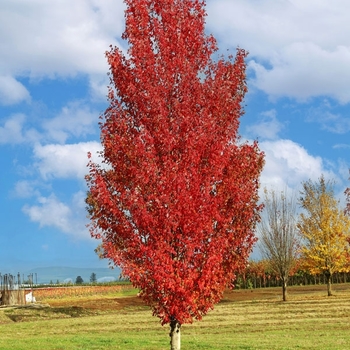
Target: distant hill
61, 274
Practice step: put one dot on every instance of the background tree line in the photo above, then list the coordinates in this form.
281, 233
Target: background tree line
260, 274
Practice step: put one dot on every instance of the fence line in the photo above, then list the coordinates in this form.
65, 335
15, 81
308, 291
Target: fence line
11, 289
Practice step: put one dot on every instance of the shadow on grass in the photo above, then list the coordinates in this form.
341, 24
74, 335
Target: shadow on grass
45, 313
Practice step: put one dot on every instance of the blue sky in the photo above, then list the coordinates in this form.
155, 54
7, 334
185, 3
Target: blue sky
53, 86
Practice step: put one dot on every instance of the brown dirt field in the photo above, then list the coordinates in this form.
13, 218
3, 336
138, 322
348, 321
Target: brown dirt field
108, 304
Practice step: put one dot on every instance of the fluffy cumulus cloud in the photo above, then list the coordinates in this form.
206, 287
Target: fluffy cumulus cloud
11, 129
66, 217
305, 70
74, 120
55, 38
58, 37
64, 161
287, 164
289, 41
14, 130
12, 91
49, 211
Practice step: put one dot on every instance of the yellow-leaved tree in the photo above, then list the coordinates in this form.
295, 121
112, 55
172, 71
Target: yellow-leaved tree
324, 229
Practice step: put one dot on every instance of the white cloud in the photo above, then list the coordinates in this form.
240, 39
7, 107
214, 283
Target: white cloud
298, 48
265, 26
14, 130
12, 91
328, 119
64, 161
68, 218
76, 119
60, 36
287, 40
305, 70
287, 164
49, 212
341, 145
344, 168
11, 131
46, 39
25, 189
267, 127
99, 87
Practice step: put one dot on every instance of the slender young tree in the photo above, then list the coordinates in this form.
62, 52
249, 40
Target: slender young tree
324, 229
347, 194
93, 278
175, 202
279, 240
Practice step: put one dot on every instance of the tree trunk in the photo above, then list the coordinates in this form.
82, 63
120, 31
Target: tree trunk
175, 335
284, 289
329, 283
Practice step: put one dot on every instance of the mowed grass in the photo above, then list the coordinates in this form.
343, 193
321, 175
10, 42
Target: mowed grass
255, 319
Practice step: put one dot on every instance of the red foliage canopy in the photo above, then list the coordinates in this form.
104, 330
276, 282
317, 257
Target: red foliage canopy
176, 203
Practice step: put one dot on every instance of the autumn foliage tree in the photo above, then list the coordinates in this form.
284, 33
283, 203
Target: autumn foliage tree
347, 212
324, 228
175, 202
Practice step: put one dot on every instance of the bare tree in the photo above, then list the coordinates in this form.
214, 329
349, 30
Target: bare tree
279, 240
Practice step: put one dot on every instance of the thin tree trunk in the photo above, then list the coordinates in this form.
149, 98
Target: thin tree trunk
284, 289
175, 335
329, 283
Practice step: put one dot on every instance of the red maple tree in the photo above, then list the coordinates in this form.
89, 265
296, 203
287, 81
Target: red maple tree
175, 204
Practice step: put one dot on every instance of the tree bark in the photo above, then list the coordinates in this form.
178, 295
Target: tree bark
329, 283
175, 335
284, 289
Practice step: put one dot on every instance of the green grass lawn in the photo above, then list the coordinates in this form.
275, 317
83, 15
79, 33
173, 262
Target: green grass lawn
310, 320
